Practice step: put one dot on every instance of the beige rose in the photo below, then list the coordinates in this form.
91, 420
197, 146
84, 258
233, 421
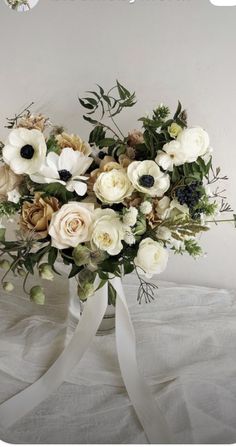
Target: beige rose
8, 181
69, 227
113, 186
36, 216
107, 164
74, 142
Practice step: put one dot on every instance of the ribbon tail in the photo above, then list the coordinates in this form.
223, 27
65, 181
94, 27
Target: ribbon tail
25, 401
147, 410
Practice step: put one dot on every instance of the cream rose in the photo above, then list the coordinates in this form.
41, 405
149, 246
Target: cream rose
113, 186
8, 181
107, 231
151, 258
194, 142
70, 225
147, 178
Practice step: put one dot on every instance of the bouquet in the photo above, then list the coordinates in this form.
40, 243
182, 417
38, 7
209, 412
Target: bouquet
110, 206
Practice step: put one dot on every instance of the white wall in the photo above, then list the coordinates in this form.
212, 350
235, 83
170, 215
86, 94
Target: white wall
164, 49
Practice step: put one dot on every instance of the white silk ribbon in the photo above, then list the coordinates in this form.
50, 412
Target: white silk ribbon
147, 410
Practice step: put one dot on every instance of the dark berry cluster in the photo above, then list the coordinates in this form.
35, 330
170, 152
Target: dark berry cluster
190, 195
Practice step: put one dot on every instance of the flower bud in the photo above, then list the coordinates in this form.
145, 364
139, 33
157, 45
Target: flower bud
21, 273
46, 272
81, 255
140, 227
37, 295
8, 286
85, 290
174, 130
5, 265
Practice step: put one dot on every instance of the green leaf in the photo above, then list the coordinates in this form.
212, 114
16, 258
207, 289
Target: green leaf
52, 145
128, 267
97, 135
106, 142
90, 120
29, 264
56, 190
52, 255
86, 105
178, 110
74, 271
102, 284
123, 92
111, 295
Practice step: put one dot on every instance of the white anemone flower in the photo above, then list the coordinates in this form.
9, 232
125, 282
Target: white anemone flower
171, 156
147, 178
25, 150
68, 168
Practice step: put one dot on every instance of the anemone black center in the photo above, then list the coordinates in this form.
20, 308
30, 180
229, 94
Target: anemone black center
27, 152
64, 175
147, 181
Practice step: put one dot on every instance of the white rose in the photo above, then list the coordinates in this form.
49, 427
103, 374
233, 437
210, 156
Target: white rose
151, 258
194, 143
25, 151
147, 178
113, 186
70, 225
107, 231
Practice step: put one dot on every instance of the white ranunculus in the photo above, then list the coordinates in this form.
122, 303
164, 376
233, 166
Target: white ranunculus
71, 224
25, 150
107, 231
170, 156
162, 208
68, 168
176, 209
194, 143
147, 178
151, 258
113, 186
130, 216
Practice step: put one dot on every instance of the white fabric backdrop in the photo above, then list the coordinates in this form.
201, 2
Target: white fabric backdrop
189, 332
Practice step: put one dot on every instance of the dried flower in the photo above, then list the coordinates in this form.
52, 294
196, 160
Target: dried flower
38, 122
74, 142
36, 216
135, 137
